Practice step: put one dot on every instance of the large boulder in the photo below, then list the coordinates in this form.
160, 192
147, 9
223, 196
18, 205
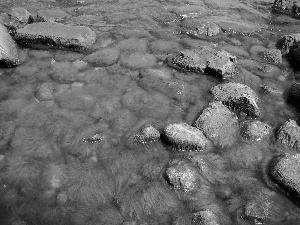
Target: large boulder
56, 35
8, 49
283, 173
237, 97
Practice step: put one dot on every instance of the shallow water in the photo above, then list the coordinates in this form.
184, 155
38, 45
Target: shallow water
54, 100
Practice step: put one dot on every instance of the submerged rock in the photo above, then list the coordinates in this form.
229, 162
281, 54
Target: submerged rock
254, 130
183, 176
199, 28
56, 35
237, 97
103, 57
218, 124
289, 134
8, 49
283, 172
52, 15
186, 138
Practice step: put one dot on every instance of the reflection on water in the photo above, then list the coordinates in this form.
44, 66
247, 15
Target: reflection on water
72, 148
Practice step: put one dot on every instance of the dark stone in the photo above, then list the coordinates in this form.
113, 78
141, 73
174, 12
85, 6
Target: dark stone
294, 96
294, 56
56, 35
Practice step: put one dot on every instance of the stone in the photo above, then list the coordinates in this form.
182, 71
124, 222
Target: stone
294, 56
17, 18
288, 41
273, 55
183, 176
237, 97
206, 217
56, 35
221, 64
52, 15
199, 28
8, 49
191, 60
218, 124
289, 135
184, 137
283, 172
103, 57
255, 130
294, 96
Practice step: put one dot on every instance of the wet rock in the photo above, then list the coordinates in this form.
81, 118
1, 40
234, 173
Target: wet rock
65, 72
237, 97
52, 15
17, 18
8, 49
221, 64
288, 41
182, 175
273, 55
254, 130
191, 60
56, 35
184, 137
294, 96
289, 134
218, 124
199, 28
283, 172
138, 60
161, 46
103, 57
133, 44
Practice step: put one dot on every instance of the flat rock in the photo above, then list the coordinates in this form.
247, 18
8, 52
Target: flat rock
237, 97
8, 49
56, 35
52, 15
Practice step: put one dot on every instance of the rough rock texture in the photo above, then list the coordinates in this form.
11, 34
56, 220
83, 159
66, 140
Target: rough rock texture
237, 97
182, 175
191, 60
56, 35
8, 49
288, 41
289, 134
186, 138
199, 28
273, 55
52, 15
254, 130
218, 124
294, 96
284, 172
221, 64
